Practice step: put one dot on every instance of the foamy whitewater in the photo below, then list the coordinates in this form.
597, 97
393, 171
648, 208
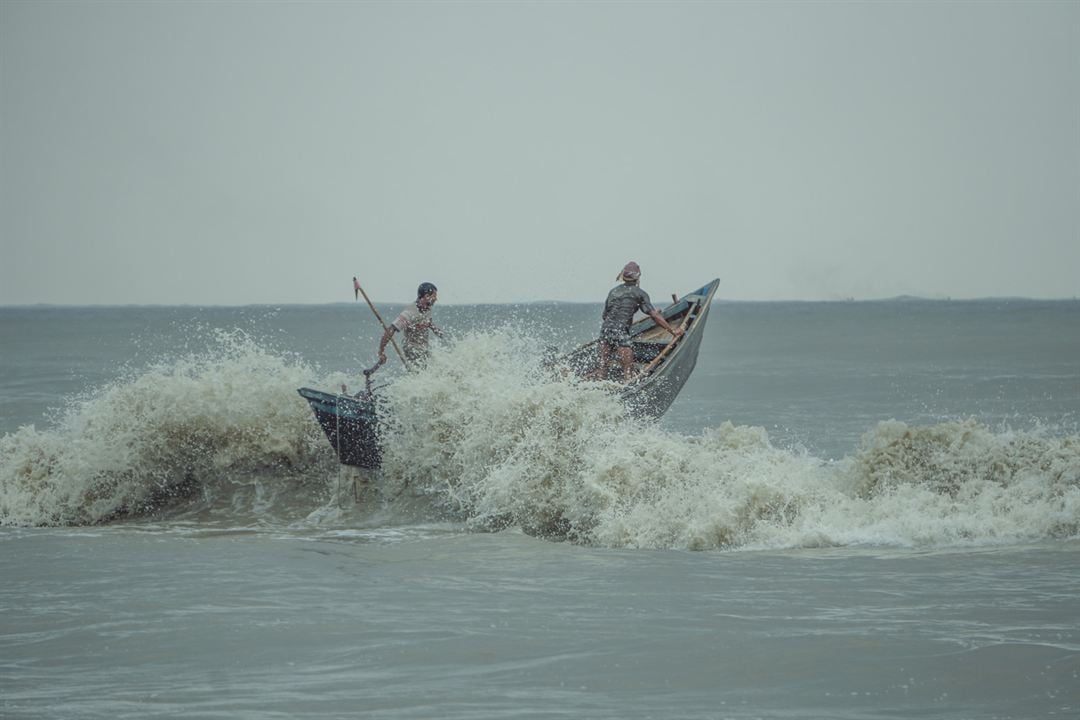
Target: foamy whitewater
483, 432
802, 448
488, 439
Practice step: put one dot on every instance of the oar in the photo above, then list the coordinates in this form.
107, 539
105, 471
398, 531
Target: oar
378, 317
660, 356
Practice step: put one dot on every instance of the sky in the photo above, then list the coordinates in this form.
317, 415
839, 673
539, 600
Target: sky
233, 153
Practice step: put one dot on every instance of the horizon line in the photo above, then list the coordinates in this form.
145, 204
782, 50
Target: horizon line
894, 298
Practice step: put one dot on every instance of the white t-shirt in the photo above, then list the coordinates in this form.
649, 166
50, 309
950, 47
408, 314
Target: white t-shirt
415, 325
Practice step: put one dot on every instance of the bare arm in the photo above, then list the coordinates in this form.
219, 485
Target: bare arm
390, 330
659, 319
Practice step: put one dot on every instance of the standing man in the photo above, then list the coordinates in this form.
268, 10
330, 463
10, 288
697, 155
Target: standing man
414, 321
622, 302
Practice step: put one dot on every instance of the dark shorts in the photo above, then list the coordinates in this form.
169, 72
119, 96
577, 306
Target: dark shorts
615, 337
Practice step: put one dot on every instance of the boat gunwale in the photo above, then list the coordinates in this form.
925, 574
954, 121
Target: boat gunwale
663, 368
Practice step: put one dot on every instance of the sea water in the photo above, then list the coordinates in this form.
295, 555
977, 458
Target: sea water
853, 510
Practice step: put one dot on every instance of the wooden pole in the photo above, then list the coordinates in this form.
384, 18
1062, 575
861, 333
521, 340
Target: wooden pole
660, 356
379, 318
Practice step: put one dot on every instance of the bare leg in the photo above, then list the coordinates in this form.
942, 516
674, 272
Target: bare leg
601, 371
626, 357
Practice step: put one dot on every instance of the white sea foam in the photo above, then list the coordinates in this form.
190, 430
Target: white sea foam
493, 439
485, 435
147, 439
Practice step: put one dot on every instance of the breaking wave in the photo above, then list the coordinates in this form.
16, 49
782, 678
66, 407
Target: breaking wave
486, 436
181, 429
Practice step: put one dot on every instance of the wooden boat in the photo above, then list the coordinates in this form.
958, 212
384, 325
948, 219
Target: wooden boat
661, 367
350, 423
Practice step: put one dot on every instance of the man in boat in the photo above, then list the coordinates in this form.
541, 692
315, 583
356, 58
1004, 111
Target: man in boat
622, 302
415, 321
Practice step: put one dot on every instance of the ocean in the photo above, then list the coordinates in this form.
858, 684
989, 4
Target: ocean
853, 510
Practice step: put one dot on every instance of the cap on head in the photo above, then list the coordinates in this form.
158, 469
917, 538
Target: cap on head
425, 289
631, 272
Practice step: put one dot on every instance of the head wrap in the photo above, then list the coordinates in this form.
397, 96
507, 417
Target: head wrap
630, 273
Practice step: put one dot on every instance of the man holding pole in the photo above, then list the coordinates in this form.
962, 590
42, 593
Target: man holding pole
414, 321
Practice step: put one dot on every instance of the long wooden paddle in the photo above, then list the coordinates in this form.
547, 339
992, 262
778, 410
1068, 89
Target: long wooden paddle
378, 317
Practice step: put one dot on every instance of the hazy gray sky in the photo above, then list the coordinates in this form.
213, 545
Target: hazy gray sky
247, 152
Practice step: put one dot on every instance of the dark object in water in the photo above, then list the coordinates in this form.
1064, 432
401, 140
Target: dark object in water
350, 424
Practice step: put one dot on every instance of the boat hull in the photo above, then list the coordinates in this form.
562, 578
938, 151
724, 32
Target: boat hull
351, 425
652, 396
